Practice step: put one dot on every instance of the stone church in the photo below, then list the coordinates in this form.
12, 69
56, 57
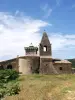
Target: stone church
34, 63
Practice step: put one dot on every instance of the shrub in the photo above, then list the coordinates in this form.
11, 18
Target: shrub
8, 82
8, 75
2, 93
13, 89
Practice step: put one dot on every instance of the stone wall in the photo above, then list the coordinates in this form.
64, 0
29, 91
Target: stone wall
12, 62
25, 66
36, 64
29, 64
46, 66
63, 68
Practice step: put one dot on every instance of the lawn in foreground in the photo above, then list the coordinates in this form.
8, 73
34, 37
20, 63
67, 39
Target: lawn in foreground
46, 87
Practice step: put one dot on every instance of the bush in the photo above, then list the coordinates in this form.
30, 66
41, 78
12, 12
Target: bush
10, 89
2, 93
8, 75
13, 89
8, 82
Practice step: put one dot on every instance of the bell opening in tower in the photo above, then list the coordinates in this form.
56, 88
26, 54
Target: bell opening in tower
45, 48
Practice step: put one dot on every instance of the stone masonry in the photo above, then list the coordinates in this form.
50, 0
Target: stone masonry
43, 64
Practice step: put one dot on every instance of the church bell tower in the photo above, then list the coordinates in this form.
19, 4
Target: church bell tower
46, 65
45, 46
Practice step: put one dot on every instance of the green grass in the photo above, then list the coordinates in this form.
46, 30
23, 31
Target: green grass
46, 87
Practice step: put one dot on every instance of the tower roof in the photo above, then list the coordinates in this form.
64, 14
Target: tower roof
45, 39
31, 47
45, 46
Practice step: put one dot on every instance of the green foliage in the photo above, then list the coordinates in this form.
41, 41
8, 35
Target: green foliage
8, 75
73, 62
2, 93
8, 82
13, 89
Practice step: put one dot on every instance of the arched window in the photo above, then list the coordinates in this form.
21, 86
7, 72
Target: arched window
9, 66
45, 48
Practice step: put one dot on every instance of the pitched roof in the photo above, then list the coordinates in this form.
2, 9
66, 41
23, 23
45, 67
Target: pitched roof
63, 61
45, 39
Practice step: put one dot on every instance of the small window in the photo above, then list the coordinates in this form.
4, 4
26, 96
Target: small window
60, 68
46, 65
45, 48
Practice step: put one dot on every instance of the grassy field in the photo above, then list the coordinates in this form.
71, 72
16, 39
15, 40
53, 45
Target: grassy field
46, 87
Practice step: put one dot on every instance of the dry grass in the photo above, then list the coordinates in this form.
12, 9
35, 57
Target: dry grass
46, 87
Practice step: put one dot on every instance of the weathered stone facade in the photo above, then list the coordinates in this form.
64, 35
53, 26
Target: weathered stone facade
45, 46
43, 64
63, 66
29, 64
46, 66
10, 64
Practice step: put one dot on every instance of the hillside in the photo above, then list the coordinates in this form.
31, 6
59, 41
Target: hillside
73, 62
45, 87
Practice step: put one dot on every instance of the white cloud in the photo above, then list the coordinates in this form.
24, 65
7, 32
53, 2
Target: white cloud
47, 10
17, 32
63, 45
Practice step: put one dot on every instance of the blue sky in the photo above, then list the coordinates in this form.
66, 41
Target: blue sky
62, 15
23, 20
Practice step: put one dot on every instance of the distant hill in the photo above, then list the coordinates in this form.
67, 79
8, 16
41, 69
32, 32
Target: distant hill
73, 62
